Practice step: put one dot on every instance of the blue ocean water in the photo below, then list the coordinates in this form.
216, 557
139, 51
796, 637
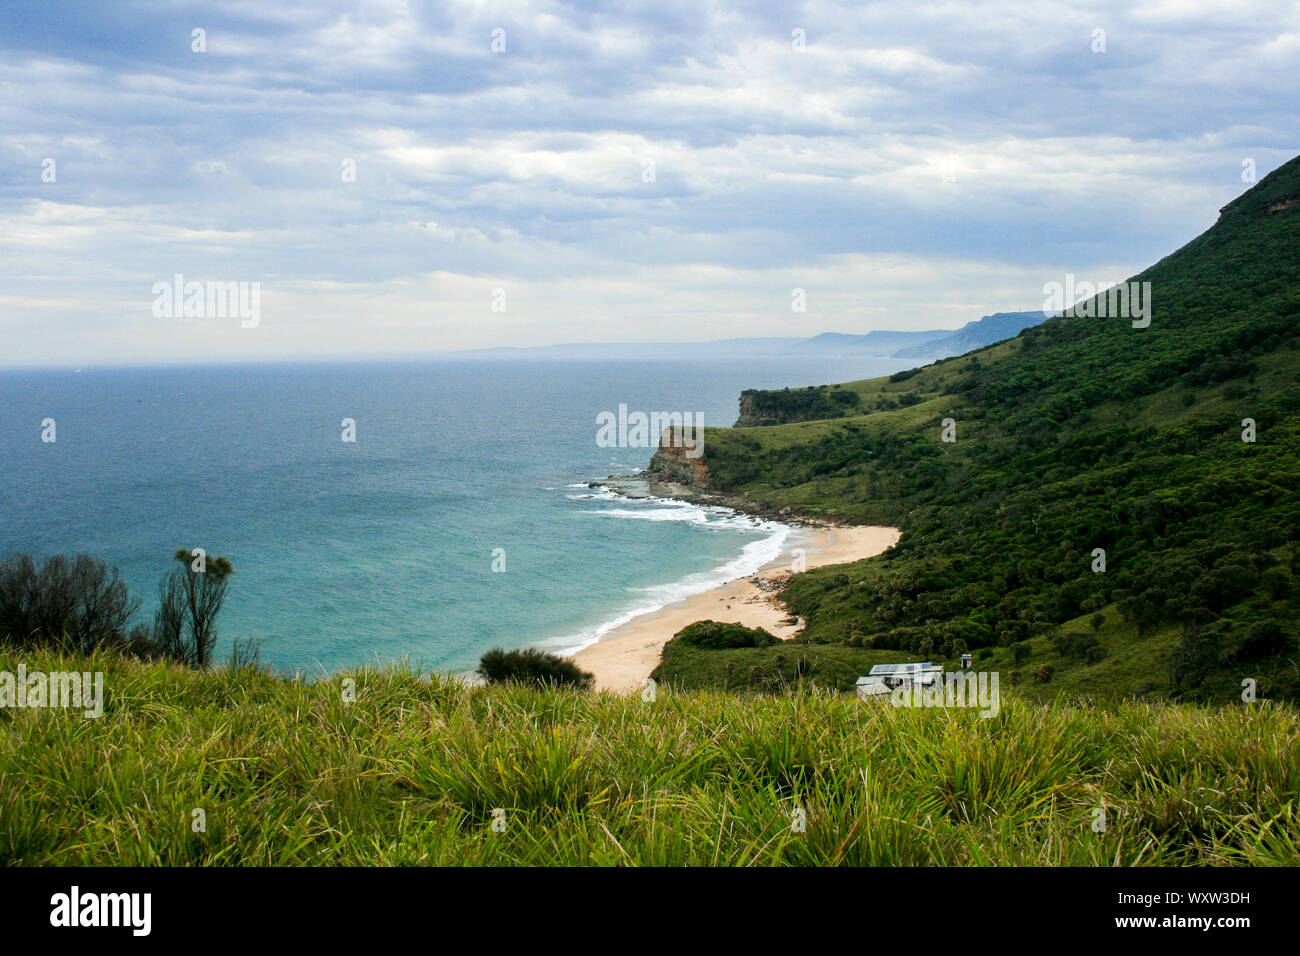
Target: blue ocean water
382, 549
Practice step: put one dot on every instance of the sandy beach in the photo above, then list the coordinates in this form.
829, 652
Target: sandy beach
625, 657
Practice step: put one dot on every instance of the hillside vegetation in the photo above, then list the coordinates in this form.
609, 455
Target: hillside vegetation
1077, 435
243, 767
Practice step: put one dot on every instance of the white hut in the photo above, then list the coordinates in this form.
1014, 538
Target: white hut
884, 678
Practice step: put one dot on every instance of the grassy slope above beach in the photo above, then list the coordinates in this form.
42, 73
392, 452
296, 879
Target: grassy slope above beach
1078, 434
287, 773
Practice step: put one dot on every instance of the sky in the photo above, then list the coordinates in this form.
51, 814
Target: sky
405, 177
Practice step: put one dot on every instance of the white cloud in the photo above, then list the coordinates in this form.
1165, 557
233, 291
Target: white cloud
823, 168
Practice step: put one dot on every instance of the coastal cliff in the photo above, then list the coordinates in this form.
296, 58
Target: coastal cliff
779, 407
672, 465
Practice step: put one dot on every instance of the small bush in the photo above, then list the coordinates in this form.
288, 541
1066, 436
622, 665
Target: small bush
1263, 640
1077, 645
719, 636
1219, 370
531, 666
1277, 583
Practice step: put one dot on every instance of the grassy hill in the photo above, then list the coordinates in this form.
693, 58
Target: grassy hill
288, 772
1078, 434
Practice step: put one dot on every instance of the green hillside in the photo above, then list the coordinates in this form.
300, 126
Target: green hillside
1078, 434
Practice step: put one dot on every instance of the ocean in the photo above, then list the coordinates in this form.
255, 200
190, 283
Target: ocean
458, 520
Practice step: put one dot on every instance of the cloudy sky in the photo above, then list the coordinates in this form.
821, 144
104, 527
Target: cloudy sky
531, 173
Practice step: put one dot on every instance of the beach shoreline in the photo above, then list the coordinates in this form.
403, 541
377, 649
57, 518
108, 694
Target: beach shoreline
624, 658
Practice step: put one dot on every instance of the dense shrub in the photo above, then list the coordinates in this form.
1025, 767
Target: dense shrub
1200, 654
77, 602
717, 636
531, 666
1082, 646
1264, 639
1219, 370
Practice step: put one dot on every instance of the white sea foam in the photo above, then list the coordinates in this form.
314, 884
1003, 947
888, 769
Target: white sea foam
594, 494
753, 556
712, 517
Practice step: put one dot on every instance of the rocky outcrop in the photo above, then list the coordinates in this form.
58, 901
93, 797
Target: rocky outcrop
673, 474
672, 465
750, 416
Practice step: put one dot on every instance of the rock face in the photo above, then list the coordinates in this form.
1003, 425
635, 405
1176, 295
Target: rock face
674, 474
671, 464
750, 416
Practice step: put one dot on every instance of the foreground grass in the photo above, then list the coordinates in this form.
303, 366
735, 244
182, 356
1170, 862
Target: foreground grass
288, 773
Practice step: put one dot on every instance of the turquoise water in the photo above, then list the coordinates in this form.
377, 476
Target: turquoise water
352, 553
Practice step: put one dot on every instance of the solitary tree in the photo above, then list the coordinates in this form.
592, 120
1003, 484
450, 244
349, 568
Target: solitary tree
190, 597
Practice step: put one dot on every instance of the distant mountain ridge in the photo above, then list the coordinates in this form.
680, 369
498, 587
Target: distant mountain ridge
880, 343
974, 335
